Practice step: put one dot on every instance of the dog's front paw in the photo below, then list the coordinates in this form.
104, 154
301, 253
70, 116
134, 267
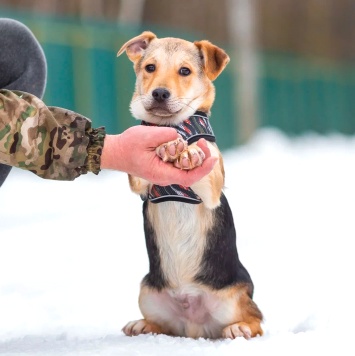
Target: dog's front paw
141, 326
192, 157
171, 150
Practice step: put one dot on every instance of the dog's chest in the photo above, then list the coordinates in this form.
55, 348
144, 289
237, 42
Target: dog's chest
180, 233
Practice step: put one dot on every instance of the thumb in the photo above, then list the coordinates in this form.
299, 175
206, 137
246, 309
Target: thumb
159, 135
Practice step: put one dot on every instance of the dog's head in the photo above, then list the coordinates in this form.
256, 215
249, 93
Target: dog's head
174, 77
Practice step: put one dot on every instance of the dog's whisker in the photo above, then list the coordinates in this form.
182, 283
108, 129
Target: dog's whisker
188, 105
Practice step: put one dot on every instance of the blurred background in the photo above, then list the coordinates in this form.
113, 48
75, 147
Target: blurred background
292, 62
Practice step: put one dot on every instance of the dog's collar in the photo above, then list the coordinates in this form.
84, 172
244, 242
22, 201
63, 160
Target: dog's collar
195, 127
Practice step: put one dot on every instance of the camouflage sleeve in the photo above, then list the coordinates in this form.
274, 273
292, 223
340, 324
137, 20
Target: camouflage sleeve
52, 142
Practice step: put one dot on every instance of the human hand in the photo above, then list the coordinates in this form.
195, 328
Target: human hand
133, 152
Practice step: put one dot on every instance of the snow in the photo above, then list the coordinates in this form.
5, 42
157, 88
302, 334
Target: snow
72, 255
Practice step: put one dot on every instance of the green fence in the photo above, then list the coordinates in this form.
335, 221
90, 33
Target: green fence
298, 95
85, 75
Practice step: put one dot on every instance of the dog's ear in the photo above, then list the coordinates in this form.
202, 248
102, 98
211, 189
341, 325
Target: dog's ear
214, 58
135, 47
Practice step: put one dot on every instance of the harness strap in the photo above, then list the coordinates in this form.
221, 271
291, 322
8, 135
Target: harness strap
195, 127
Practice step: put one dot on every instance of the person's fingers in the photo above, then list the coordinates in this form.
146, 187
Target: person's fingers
166, 173
194, 175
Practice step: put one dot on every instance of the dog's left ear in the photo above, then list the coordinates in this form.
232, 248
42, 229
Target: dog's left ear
136, 46
214, 58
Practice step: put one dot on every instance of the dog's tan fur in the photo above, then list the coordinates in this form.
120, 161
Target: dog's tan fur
182, 242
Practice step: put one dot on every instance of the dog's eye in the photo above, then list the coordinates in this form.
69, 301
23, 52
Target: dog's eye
184, 71
150, 68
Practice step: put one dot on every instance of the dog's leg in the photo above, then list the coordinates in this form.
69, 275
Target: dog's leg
141, 326
246, 330
250, 319
138, 185
209, 188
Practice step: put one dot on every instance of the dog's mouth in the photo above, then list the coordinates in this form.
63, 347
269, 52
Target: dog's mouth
162, 112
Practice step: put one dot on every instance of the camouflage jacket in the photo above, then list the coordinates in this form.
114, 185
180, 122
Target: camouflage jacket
52, 142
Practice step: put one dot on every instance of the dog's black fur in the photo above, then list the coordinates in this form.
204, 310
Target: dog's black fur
220, 266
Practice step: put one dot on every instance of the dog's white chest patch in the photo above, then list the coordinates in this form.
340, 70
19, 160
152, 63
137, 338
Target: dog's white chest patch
181, 237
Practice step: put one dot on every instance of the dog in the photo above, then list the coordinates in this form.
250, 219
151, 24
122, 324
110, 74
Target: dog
196, 285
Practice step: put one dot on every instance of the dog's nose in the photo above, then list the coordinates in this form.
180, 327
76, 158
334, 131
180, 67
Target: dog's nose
160, 94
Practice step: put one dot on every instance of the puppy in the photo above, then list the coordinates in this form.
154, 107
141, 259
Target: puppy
196, 285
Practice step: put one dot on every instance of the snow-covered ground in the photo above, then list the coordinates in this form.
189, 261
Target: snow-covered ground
72, 255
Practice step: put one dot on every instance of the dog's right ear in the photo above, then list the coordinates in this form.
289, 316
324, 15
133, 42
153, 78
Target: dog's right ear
136, 46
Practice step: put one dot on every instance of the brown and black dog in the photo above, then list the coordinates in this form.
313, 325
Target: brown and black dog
196, 285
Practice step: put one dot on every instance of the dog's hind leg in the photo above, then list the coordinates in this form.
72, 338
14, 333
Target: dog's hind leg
246, 330
141, 326
248, 320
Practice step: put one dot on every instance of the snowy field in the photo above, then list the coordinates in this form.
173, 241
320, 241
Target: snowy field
72, 255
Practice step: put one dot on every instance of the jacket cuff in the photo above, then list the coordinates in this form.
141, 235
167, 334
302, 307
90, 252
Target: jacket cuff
94, 149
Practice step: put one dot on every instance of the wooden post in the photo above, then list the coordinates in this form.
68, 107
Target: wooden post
241, 27
131, 11
91, 9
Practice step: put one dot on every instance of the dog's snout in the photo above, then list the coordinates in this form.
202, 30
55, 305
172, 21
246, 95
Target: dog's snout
160, 94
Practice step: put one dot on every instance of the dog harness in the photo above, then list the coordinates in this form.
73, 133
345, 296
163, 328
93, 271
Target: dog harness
195, 127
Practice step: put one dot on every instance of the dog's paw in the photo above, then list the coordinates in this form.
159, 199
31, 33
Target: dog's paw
192, 157
171, 150
141, 326
237, 330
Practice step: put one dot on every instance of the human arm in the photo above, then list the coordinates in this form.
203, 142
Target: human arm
48, 141
56, 143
